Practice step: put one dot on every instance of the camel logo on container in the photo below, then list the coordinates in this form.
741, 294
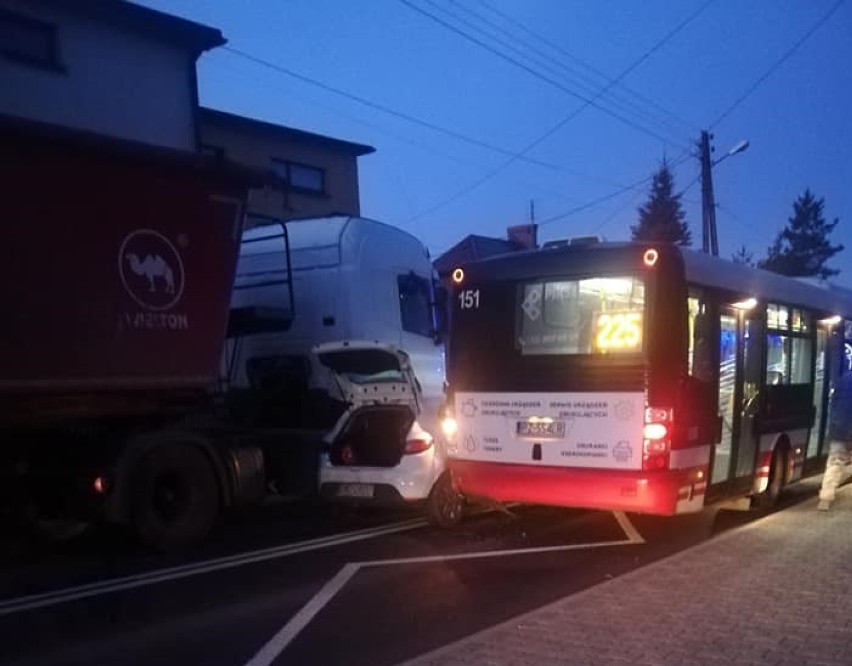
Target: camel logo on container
151, 270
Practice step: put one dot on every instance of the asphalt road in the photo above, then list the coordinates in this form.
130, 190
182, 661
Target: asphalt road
294, 584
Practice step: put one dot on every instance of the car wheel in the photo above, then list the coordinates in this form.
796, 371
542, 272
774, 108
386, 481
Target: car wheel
174, 496
445, 505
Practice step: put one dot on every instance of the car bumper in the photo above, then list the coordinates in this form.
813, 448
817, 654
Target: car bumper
411, 480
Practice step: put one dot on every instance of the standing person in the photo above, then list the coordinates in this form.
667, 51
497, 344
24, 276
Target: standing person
839, 463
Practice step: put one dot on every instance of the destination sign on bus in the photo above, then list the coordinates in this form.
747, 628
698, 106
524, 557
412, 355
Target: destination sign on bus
618, 331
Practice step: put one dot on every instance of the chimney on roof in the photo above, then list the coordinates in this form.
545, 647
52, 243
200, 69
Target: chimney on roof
525, 236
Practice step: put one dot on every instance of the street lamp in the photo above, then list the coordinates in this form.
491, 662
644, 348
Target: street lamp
742, 146
710, 242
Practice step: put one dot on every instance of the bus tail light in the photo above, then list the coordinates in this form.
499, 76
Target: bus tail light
656, 441
651, 257
449, 425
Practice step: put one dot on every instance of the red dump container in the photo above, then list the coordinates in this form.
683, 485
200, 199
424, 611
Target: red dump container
116, 266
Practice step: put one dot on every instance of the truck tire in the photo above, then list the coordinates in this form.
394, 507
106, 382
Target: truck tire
174, 498
445, 505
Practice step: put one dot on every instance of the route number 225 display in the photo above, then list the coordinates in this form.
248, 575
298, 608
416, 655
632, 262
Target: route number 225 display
618, 331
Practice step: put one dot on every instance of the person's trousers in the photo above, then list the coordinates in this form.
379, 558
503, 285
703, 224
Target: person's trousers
838, 468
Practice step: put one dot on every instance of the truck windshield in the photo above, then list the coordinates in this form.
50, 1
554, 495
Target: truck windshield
600, 315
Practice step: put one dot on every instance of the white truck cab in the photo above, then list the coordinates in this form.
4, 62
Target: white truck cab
349, 279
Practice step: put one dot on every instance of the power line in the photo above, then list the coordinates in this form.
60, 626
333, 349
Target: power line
778, 62
645, 100
379, 128
595, 202
566, 120
588, 101
561, 168
542, 59
691, 183
612, 195
632, 202
384, 109
749, 229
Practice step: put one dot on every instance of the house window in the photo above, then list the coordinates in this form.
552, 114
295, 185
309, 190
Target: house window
300, 177
28, 41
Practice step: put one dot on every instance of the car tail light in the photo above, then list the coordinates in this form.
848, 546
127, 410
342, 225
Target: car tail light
417, 445
418, 440
656, 442
347, 455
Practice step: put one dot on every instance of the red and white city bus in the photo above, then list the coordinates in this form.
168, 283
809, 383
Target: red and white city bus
636, 377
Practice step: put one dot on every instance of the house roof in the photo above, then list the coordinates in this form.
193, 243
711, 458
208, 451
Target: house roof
18, 134
472, 248
195, 36
224, 119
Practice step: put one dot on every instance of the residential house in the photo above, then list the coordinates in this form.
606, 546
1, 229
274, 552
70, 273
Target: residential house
107, 67
313, 175
474, 247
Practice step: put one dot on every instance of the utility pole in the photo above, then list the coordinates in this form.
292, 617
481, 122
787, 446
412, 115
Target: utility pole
710, 243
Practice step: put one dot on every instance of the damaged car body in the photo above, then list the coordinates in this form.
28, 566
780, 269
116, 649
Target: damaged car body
382, 448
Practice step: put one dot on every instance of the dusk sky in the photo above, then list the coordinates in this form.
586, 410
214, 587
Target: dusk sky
630, 83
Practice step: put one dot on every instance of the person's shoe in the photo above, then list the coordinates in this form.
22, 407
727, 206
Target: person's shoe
824, 505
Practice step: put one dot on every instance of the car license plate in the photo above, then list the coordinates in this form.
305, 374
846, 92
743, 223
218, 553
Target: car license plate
360, 490
548, 429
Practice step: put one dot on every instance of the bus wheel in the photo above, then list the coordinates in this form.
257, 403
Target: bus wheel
445, 505
174, 496
769, 497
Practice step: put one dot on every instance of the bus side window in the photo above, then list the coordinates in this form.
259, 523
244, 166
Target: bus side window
701, 354
699, 397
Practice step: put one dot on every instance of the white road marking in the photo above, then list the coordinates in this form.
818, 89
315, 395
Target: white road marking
269, 652
631, 532
495, 553
279, 642
53, 598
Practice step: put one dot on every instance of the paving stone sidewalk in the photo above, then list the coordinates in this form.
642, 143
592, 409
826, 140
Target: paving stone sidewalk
777, 591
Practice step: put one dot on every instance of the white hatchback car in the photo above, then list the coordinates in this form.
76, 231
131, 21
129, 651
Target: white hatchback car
382, 449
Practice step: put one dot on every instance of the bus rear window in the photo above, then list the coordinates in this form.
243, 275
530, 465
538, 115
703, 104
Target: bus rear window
590, 316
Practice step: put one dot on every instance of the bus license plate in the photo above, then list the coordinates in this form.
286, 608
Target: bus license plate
359, 490
552, 429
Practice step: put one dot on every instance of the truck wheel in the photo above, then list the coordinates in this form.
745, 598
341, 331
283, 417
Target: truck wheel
174, 496
445, 505
769, 497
